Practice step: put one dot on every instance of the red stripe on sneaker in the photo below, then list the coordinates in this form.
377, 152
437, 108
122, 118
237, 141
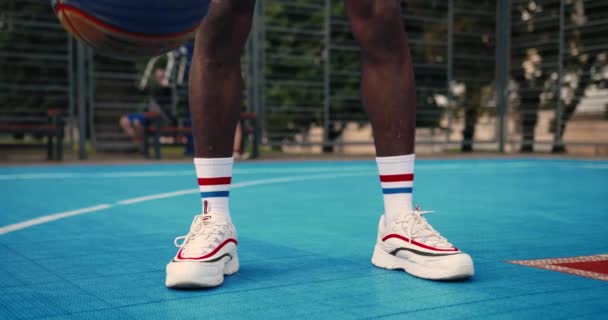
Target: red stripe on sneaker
210, 254
214, 181
398, 236
397, 177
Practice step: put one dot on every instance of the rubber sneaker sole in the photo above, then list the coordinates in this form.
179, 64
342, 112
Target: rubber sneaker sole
450, 267
195, 274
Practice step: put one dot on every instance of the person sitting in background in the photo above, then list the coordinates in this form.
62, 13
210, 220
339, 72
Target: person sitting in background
161, 98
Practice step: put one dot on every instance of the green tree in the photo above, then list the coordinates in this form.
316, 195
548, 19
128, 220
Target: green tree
584, 60
474, 24
294, 66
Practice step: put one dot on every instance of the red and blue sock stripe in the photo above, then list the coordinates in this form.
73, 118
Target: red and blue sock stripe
397, 183
217, 187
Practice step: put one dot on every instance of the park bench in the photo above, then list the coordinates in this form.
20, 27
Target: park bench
154, 129
51, 127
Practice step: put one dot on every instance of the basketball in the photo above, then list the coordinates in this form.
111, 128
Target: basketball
134, 28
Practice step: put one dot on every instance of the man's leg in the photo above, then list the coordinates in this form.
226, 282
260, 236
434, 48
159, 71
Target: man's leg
389, 97
215, 77
130, 123
208, 251
238, 141
138, 130
125, 124
387, 88
406, 240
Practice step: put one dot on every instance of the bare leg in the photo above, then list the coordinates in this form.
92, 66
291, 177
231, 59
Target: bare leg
388, 93
138, 131
215, 77
387, 87
126, 126
238, 140
215, 105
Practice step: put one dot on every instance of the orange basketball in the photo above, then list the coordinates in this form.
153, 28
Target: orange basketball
132, 28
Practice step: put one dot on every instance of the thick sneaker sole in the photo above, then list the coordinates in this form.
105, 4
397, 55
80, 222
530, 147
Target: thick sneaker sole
194, 274
452, 267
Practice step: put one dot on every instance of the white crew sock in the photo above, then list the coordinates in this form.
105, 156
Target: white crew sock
214, 178
397, 180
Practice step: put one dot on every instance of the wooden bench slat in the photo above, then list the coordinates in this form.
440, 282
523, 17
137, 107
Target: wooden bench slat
154, 131
29, 127
51, 127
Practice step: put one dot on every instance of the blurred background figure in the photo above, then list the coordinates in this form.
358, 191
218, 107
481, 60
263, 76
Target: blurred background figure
238, 143
160, 101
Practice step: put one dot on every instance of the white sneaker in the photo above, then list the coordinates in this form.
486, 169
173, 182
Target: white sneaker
207, 253
413, 245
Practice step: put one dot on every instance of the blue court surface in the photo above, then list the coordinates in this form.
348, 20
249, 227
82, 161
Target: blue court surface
92, 242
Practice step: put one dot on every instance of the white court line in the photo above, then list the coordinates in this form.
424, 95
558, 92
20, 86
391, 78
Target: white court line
351, 171
51, 217
240, 185
62, 215
157, 196
595, 166
144, 174
74, 175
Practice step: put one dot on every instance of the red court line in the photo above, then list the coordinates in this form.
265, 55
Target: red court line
594, 267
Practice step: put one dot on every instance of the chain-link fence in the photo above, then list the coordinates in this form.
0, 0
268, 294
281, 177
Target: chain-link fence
301, 69
34, 65
559, 50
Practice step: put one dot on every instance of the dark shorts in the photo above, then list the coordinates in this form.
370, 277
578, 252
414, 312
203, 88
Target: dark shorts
136, 117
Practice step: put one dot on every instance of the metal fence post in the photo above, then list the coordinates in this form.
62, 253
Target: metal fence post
71, 91
558, 142
327, 75
503, 59
82, 104
256, 73
91, 95
450, 69
249, 89
262, 65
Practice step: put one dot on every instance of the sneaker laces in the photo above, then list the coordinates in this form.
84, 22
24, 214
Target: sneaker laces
417, 227
201, 237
